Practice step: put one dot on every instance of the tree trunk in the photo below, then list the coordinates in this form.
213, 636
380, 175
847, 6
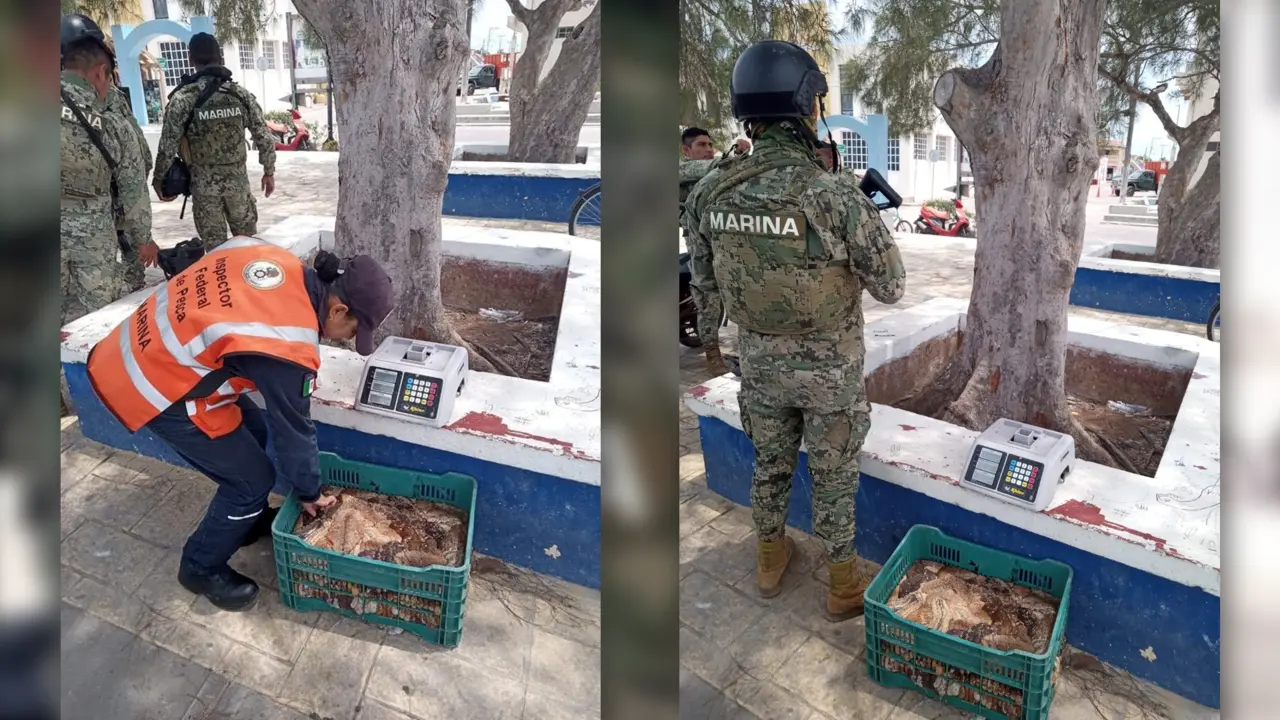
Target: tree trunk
394, 65
1027, 119
547, 115
1189, 233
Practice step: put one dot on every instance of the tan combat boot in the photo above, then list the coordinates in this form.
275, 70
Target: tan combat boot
772, 558
844, 596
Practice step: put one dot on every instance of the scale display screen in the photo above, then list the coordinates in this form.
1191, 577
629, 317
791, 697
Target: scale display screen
382, 387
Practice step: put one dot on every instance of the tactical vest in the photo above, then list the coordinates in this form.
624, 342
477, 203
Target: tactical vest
86, 177
216, 133
246, 296
777, 274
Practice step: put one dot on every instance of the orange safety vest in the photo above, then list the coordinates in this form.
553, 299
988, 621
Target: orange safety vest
246, 296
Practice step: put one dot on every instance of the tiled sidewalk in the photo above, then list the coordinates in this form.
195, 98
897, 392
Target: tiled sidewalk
744, 658
136, 645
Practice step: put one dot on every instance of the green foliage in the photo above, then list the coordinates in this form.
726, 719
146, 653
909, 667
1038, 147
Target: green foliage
103, 12
233, 20
946, 205
913, 42
279, 116
714, 32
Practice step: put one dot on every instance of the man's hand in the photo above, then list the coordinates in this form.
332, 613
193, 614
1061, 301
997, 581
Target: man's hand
715, 362
268, 185
321, 503
149, 254
743, 145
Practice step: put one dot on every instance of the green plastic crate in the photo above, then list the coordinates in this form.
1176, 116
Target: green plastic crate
896, 642
405, 597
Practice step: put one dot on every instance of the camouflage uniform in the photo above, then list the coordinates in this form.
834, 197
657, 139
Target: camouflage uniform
220, 191
789, 248
133, 273
89, 275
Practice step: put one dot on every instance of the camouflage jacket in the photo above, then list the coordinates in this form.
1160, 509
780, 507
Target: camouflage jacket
215, 137
787, 245
132, 206
118, 103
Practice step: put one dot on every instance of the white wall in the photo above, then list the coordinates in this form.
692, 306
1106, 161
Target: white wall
1197, 108
569, 20
269, 86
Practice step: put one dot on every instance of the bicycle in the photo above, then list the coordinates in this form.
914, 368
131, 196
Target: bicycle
896, 222
585, 217
1213, 328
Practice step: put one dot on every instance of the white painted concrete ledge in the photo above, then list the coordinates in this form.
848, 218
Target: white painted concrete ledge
1097, 259
1167, 525
546, 427
477, 167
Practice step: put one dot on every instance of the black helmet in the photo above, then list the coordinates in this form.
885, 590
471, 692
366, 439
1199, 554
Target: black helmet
775, 79
77, 27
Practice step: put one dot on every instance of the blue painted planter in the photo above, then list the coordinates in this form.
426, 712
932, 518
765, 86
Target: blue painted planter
1144, 294
513, 197
1116, 611
519, 514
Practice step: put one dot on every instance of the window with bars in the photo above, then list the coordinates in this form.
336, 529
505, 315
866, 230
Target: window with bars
176, 62
854, 154
564, 32
895, 154
943, 147
269, 52
246, 55
921, 147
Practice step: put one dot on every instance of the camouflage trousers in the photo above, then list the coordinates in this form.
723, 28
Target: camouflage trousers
221, 200
133, 274
89, 275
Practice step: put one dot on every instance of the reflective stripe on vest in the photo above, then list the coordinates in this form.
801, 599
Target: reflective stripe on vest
181, 333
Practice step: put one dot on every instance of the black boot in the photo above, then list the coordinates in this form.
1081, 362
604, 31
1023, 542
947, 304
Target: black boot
226, 588
261, 527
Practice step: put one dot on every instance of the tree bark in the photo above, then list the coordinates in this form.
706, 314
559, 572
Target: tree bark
547, 114
1182, 237
1027, 120
395, 65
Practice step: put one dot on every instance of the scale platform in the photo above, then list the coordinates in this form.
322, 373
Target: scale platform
413, 380
1019, 463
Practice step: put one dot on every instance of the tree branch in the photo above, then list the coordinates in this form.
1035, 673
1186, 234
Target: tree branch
959, 89
522, 13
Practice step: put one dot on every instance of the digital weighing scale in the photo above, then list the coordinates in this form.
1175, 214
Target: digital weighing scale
413, 380
1019, 463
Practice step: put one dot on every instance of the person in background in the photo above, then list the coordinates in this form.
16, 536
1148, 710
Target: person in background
259, 332
214, 136
787, 248
133, 270
827, 155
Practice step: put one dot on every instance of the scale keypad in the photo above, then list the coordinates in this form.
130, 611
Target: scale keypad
419, 395
1021, 478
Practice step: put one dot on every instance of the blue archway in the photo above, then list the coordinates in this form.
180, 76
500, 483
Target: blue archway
875, 131
130, 42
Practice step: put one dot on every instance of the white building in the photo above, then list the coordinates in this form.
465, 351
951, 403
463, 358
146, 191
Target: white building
1198, 107
911, 172
568, 22
270, 86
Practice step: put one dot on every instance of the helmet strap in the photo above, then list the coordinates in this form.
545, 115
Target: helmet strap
835, 156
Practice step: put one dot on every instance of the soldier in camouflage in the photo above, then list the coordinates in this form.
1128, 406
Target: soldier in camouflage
698, 154
215, 147
118, 107
788, 247
98, 195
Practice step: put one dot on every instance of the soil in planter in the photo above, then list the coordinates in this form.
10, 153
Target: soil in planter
525, 344
1122, 255
393, 529
1129, 408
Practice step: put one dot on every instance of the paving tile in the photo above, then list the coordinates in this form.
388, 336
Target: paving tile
70, 432
242, 703
254, 669
269, 627
712, 663
721, 556
541, 707
79, 460
565, 670
68, 579
835, 682
716, 611
68, 522
441, 687
330, 673
173, 518
109, 603
575, 614
110, 555
768, 700
258, 561
130, 469
198, 644
701, 701
162, 593
107, 672
736, 523
370, 710
918, 706
495, 637
208, 696
699, 509
768, 643
120, 506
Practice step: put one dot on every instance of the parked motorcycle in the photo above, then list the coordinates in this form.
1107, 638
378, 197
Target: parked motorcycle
297, 137
933, 221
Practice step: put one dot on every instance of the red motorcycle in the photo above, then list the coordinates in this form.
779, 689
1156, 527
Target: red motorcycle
297, 137
933, 221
